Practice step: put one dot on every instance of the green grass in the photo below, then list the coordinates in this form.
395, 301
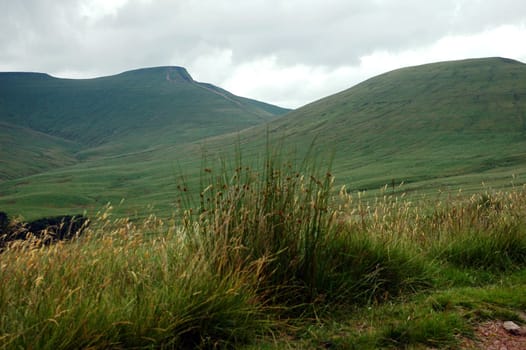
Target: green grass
438, 319
119, 287
500, 250
265, 255
25, 152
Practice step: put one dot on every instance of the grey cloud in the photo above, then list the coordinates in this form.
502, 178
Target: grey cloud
333, 32
55, 36
309, 32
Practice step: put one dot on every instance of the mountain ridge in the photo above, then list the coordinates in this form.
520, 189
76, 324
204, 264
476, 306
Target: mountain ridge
125, 112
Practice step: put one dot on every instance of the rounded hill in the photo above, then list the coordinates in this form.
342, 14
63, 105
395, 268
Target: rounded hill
419, 123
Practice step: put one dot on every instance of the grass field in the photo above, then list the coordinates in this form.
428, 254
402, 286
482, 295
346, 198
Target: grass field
269, 255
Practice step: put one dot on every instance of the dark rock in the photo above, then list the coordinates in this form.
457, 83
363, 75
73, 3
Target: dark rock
58, 227
4, 222
45, 230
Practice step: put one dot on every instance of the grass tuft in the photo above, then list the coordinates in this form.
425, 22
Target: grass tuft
284, 217
434, 330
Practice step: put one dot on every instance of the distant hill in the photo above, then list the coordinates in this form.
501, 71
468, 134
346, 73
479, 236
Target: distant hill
435, 121
79, 119
440, 126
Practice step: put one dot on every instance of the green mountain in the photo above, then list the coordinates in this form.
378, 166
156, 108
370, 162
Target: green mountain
441, 126
49, 122
444, 124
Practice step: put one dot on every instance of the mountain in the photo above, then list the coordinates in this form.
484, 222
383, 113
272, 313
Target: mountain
440, 126
49, 122
448, 123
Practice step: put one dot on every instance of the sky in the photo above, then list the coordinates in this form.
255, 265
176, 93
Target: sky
285, 52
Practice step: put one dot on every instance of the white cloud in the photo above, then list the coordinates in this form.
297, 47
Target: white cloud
286, 85
214, 65
503, 41
96, 9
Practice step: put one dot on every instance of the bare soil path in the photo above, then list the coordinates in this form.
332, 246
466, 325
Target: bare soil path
492, 336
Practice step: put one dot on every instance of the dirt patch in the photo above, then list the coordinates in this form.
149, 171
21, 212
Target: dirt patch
492, 336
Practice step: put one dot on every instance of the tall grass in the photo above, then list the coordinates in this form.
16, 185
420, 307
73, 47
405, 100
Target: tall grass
486, 230
119, 288
286, 214
275, 212
258, 243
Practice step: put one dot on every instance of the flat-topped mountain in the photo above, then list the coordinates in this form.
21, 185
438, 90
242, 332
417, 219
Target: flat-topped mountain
75, 119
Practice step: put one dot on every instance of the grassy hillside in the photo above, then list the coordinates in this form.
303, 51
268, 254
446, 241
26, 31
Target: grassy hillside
434, 127
129, 112
26, 151
450, 123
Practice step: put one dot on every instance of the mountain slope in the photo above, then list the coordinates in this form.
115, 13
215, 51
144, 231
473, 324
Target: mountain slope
440, 126
24, 151
417, 123
470, 95
124, 113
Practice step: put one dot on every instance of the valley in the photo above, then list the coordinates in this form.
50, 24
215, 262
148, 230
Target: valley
80, 144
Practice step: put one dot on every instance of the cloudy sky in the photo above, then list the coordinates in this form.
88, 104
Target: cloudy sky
287, 52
